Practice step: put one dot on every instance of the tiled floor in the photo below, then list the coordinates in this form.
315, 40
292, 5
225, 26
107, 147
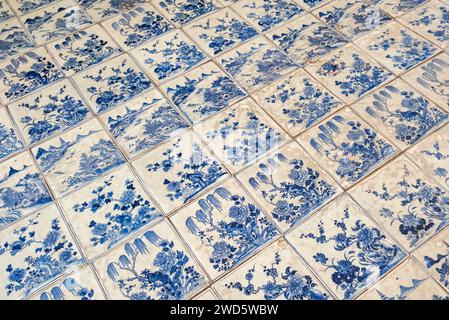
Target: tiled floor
224, 149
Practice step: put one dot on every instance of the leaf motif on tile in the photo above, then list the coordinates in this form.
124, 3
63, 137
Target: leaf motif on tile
233, 239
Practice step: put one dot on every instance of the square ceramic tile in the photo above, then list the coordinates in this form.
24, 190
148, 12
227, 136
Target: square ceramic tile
256, 64
144, 123
109, 210
271, 276
203, 92
220, 31
407, 282
432, 79
179, 170
349, 73
13, 39
352, 18
112, 83
397, 8
5, 11
347, 147
224, 227
169, 55
135, 27
34, 252
434, 256
22, 189
396, 47
432, 155
25, 6
79, 285
345, 248
297, 102
26, 73
77, 157
48, 112
241, 134
83, 50
181, 12
10, 142
305, 39
105, 9
289, 185
55, 21
405, 202
159, 252
401, 113
431, 21
268, 14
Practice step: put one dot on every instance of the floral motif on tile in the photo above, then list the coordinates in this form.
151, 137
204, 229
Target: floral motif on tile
184, 11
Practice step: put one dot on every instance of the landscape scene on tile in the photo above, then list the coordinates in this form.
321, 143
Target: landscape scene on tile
224, 149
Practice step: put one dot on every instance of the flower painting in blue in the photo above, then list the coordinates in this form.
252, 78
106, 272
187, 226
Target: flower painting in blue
35, 251
153, 266
184, 11
348, 250
26, 73
48, 112
224, 227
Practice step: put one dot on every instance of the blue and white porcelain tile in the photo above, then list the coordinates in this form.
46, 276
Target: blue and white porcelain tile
266, 15
105, 9
26, 6
55, 21
179, 170
310, 5
112, 83
397, 8
35, 251
77, 157
297, 102
13, 39
347, 147
157, 251
406, 203
275, 274
169, 55
434, 257
79, 285
5, 12
306, 39
134, 27
241, 134
224, 227
10, 142
220, 31
333, 243
144, 123
203, 92
256, 63
401, 113
26, 73
432, 156
289, 185
432, 79
431, 21
83, 49
22, 189
396, 47
47, 112
349, 73
407, 282
352, 18
108, 211
181, 12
